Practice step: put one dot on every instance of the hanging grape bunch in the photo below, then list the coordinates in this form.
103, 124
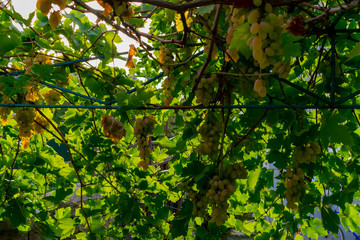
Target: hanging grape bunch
25, 118
144, 127
113, 128
40, 123
259, 87
295, 184
205, 91
221, 189
216, 193
165, 57
5, 111
306, 154
210, 132
45, 6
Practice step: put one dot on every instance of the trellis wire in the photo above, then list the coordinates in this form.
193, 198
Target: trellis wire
264, 106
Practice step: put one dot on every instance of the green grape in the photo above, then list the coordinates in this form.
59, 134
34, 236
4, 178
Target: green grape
257, 3
268, 8
269, 51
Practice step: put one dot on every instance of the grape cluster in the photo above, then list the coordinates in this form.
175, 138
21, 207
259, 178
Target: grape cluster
266, 28
205, 91
52, 97
45, 5
24, 118
5, 111
123, 9
259, 87
306, 154
210, 135
43, 123
113, 128
215, 196
144, 127
32, 92
165, 56
282, 69
294, 184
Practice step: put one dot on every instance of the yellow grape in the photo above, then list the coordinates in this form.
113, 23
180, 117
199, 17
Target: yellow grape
255, 27
262, 91
258, 83
258, 54
253, 16
257, 43
249, 41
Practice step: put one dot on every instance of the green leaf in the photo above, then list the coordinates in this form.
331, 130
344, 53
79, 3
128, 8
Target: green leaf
253, 178
354, 52
333, 129
181, 223
9, 41
204, 9
241, 35
18, 16
290, 47
330, 219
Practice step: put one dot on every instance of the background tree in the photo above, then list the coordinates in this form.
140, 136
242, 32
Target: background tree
222, 87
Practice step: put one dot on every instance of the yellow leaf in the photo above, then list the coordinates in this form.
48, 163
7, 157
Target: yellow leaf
132, 52
179, 23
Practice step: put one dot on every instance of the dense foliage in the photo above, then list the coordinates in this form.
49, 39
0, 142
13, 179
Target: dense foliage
179, 144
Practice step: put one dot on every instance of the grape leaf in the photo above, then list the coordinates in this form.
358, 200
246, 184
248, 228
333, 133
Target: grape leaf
330, 219
333, 130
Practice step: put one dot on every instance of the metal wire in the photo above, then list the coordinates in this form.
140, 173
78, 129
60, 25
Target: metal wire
265, 106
